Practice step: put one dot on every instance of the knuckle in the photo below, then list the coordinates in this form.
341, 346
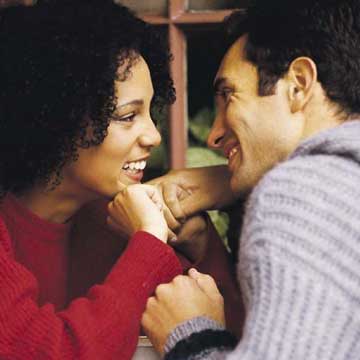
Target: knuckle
150, 302
180, 279
220, 299
145, 320
209, 278
161, 290
117, 200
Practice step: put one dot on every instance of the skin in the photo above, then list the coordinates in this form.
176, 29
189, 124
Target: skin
99, 172
255, 133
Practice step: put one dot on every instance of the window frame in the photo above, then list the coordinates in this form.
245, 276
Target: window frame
179, 20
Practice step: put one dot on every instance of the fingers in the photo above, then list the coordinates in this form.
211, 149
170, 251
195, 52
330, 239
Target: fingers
206, 283
173, 224
139, 207
172, 194
192, 228
113, 224
154, 195
172, 238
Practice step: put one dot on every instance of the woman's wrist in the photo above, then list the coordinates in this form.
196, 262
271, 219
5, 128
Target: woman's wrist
155, 231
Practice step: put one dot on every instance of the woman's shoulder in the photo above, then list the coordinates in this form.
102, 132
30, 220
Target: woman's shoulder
5, 241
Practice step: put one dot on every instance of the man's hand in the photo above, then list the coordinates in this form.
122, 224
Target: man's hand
186, 297
189, 191
192, 238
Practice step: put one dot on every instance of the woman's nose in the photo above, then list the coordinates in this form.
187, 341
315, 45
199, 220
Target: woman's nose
151, 136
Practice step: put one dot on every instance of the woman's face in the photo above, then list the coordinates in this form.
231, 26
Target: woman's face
121, 158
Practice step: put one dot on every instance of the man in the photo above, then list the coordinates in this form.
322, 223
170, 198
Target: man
288, 103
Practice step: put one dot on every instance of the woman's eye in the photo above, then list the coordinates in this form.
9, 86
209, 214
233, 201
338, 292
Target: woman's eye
124, 118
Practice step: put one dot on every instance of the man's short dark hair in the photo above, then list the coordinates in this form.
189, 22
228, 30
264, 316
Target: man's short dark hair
327, 31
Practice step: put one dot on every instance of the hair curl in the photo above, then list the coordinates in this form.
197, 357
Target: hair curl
328, 31
59, 62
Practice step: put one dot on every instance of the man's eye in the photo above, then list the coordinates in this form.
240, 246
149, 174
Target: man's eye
124, 118
224, 94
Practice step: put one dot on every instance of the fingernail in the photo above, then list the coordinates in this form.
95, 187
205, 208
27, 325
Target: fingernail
173, 239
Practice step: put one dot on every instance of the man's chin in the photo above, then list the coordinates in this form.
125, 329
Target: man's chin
240, 190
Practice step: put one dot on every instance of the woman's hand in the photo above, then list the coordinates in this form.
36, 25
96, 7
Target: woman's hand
186, 297
138, 208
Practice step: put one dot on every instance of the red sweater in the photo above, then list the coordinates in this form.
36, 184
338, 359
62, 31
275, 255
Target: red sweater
58, 302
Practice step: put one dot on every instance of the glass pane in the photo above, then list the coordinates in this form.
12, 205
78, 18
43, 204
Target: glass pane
204, 53
153, 7
158, 163
198, 5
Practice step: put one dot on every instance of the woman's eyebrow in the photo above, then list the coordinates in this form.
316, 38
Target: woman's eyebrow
138, 102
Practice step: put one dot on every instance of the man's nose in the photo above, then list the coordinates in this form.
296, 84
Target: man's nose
217, 134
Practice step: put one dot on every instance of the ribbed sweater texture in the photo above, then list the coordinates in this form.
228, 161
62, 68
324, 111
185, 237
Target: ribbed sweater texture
299, 260
103, 323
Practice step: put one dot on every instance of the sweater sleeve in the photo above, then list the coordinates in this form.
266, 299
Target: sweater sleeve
299, 265
103, 325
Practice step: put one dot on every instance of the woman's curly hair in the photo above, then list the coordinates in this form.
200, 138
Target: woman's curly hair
58, 64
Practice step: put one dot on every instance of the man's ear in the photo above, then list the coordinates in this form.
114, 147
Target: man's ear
302, 78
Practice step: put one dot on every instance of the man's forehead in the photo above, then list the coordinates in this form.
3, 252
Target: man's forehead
230, 65
235, 70
233, 58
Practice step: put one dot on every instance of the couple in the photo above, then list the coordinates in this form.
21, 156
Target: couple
287, 108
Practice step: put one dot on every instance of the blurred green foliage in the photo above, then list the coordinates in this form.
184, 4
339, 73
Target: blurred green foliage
197, 155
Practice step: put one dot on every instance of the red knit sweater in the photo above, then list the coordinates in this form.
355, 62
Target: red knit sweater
61, 299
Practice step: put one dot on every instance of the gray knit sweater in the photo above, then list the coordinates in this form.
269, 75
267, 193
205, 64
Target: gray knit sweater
299, 265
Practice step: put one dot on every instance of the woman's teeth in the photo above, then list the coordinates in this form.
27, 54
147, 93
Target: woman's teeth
135, 166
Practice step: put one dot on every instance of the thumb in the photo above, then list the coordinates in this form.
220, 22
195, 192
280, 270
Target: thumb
206, 283
121, 186
154, 195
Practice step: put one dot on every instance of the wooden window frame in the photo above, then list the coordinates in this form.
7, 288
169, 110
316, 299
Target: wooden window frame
177, 20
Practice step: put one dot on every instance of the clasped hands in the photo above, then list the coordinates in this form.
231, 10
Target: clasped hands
158, 209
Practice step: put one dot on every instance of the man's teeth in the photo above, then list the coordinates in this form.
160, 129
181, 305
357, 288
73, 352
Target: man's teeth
233, 152
135, 165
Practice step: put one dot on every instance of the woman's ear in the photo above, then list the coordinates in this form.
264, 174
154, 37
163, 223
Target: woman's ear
302, 78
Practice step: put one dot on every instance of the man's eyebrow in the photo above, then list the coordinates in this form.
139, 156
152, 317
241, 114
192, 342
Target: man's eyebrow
138, 102
219, 83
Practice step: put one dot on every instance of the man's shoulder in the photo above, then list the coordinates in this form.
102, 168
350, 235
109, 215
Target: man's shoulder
311, 170
308, 182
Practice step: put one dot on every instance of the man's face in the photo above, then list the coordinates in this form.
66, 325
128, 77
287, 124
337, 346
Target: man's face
255, 132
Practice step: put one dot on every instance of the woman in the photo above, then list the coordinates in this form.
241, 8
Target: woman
75, 126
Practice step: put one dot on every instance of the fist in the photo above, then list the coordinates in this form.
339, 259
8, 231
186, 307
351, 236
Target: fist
186, 297
138, 208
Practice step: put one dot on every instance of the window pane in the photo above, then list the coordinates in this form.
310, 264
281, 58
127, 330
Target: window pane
154, 7
197, 5
204, 51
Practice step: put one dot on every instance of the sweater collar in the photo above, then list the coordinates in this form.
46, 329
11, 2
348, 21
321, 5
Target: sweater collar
20, 216
342, 140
